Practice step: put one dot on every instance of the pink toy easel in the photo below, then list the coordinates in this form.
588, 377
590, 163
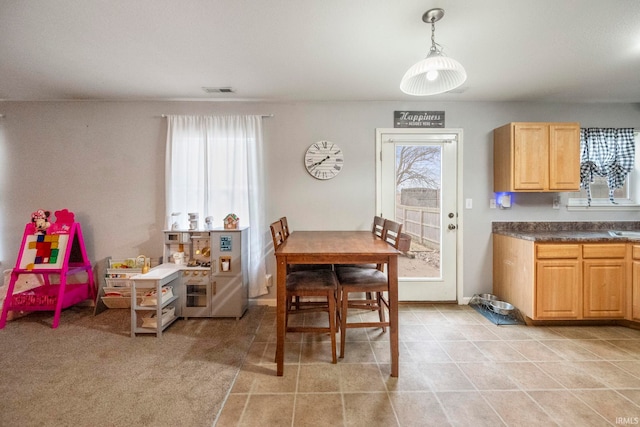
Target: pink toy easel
59, 252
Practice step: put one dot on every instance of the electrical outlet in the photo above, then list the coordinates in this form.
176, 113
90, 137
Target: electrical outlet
556, 203
492, 203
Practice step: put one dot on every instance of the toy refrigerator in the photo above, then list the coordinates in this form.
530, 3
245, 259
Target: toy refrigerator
229, 272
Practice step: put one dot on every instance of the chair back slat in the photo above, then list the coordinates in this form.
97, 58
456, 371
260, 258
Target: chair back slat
277, 234
391, 233
378, 225
285, 227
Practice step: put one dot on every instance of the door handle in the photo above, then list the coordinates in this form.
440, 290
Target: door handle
452, 227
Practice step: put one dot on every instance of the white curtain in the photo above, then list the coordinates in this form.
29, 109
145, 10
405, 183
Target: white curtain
214, 168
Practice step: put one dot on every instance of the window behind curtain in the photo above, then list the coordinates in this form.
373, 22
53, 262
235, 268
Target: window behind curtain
214, 168
628, 194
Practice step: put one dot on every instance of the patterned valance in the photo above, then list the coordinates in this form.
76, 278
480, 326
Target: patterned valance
606, 152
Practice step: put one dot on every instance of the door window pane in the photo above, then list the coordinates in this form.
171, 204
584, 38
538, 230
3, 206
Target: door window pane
418, 207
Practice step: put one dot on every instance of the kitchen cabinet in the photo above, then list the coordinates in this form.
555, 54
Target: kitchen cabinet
536, 157
558, 281
635, 283
605, 283
563, 281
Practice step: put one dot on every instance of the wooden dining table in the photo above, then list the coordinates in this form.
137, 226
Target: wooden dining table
336, 247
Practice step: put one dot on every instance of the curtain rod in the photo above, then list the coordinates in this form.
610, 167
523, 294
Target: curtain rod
264, 116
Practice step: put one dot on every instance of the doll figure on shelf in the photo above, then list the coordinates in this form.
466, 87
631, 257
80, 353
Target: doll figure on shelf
40, 221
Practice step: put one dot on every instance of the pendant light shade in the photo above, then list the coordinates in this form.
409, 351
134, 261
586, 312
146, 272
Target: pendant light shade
436, 73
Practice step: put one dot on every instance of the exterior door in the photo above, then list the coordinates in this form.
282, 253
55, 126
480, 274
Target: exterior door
417, 186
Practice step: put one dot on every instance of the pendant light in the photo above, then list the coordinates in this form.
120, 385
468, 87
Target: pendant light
436, 73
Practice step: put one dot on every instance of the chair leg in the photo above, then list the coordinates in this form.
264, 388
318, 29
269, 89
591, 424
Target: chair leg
343, 321
368, 297
380, 309
338, 309
332, 325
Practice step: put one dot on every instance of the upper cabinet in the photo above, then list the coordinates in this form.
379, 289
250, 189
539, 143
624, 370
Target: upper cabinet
536, 157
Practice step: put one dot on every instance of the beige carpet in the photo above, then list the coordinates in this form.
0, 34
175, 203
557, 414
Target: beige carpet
90, 372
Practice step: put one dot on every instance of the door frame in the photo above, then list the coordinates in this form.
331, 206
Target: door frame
459, 193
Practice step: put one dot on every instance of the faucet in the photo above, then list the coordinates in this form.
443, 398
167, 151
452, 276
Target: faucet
145, 263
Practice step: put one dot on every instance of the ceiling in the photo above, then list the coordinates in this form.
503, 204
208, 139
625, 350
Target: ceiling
316, 50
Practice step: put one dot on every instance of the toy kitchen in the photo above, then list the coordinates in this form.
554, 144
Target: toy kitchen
214, 270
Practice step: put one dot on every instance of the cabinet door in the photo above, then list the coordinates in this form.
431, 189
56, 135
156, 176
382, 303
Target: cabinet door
635, 291
604, 288
558, 285
531, 156
564, 157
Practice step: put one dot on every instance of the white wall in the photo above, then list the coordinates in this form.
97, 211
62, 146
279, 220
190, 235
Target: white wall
105, 162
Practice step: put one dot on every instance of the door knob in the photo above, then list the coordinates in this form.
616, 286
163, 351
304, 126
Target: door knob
452, 227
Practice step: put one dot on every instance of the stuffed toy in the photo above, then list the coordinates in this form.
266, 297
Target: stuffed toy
40, 220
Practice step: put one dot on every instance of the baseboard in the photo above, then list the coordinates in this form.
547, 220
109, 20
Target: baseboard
271, 302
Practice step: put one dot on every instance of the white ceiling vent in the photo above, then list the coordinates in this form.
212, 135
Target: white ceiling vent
218, 90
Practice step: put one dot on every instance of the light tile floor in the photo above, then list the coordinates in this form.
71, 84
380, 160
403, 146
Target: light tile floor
456, 368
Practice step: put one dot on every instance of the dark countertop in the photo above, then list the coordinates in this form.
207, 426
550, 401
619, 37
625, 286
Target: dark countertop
567, 232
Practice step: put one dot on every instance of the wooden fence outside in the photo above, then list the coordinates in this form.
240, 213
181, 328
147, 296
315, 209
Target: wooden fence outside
422, 224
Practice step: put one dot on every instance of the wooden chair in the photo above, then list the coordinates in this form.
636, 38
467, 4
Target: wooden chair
309, 283
378, 226
377, 229
372, 282
300, 267
391, 233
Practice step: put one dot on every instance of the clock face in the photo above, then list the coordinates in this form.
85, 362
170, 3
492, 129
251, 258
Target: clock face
324, 160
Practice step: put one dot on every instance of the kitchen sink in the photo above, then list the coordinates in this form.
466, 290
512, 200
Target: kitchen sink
624, 233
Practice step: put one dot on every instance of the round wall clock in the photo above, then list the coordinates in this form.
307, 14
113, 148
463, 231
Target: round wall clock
323, 160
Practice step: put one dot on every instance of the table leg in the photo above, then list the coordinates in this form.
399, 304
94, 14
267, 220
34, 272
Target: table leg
281, 298
393, 313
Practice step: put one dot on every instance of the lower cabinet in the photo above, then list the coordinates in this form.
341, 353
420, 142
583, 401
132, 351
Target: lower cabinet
568, 281
558, 289
605, 280
635, 283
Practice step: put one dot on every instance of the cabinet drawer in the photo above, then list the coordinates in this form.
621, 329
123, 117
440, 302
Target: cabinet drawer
557, 251
636, 251
607, 250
